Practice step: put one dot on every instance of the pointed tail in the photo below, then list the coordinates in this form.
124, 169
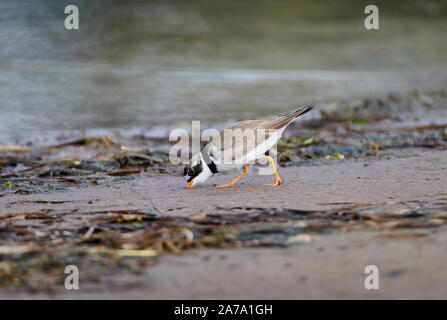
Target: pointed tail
300, 111
285, 119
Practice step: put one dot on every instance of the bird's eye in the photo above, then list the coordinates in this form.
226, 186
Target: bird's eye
192, 170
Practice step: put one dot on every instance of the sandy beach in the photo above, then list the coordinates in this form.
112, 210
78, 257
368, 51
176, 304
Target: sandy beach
327, 264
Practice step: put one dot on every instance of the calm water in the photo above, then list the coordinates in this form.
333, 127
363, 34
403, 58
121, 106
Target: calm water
150, 66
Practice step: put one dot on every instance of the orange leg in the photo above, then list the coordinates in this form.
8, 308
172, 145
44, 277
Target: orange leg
235, 180
277, 181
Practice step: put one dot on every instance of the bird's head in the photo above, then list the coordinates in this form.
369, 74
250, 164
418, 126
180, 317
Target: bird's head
196, 172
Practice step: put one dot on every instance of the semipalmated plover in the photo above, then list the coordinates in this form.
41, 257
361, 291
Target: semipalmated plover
237, 145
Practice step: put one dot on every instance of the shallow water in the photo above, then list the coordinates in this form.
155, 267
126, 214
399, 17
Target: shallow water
151, 66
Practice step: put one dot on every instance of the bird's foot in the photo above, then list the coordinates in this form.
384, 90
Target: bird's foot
224, 185
277, 182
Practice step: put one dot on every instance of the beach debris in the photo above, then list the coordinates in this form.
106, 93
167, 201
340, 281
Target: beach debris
336, 155
102, 242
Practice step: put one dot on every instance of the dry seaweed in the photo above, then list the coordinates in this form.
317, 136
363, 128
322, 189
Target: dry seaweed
34, 246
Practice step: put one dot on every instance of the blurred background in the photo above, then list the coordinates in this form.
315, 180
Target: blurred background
149, 66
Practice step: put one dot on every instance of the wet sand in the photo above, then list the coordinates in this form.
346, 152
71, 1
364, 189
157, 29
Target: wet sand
414, 174
331, 265
411, 174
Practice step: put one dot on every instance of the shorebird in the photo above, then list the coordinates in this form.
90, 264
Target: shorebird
237, 145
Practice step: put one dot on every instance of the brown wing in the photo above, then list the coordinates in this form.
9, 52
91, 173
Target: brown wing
236, 140
242, 137
277, 123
